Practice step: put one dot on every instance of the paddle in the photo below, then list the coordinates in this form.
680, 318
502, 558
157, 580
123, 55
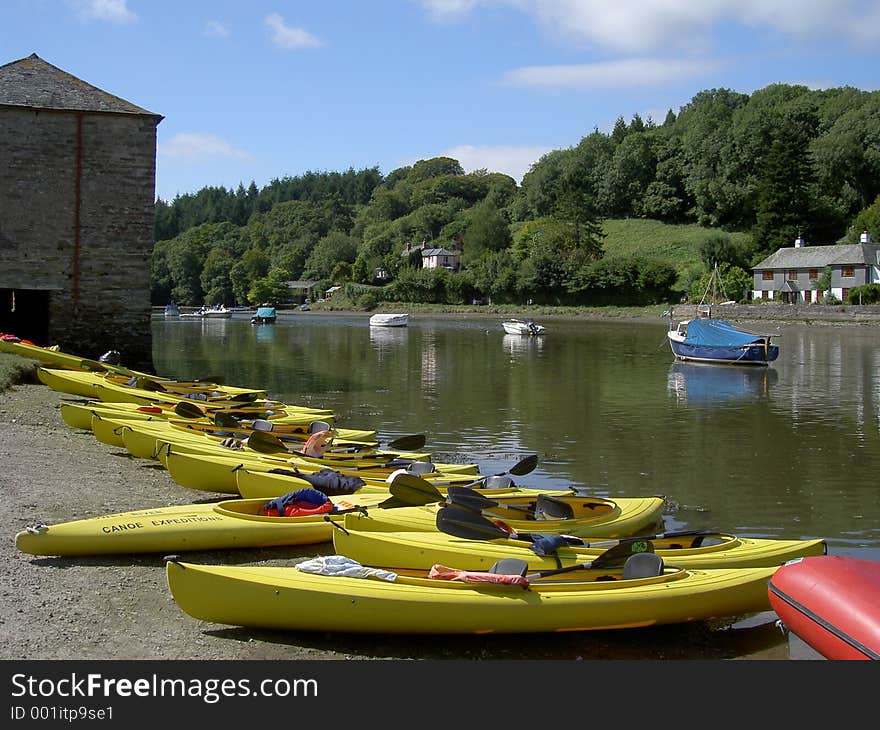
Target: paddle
414, 490
469, 525
613, 557
522, 467
189, 409
403, 443
267, 443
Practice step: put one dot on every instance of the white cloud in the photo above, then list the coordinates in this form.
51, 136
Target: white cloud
216, 29
286, 36
111, 11
608, 74
647, 26
448, 9
510, 160
196, 147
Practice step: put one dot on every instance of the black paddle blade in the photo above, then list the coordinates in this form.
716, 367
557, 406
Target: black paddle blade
616, 556
414, 490
525, 466
470, 498
613, 557
188, 409
266, 443
225, 420
408, 443
463, 523
147, 384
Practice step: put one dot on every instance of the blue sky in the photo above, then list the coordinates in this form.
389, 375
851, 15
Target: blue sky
256, 90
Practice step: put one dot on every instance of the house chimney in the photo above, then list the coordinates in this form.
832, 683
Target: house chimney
865, 237
799, 242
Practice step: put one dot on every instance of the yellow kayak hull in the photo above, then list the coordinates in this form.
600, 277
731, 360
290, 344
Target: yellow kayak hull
285, 598
217, 470
421, 550
213, 526
611, 518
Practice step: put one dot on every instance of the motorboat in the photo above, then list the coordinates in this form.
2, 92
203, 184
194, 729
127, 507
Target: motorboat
389, 320
264, 315
217, 312
523, 327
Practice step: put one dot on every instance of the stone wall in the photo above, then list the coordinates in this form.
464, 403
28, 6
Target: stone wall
76, 220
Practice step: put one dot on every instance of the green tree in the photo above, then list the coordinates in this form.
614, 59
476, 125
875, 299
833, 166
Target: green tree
784, 204
332, 249
486, 231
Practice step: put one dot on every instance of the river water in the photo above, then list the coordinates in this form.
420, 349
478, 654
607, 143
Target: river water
790, 451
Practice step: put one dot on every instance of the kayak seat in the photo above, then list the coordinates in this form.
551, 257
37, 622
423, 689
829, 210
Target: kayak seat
261, 424
509, 566
706, 541
316, 426
552, 508
497, 482
420, 467
642, 565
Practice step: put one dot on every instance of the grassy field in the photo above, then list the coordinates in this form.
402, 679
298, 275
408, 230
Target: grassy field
677, 245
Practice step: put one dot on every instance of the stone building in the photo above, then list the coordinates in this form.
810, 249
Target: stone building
77, 207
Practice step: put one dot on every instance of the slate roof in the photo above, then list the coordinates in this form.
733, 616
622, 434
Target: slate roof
438, 252
33, 83
817, 257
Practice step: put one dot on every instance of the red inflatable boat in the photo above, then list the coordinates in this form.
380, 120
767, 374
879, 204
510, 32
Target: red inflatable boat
832, 603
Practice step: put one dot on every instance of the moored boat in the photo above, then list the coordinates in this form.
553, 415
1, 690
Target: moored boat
708, 340
831, 602
446, 600
389, 320
523, 327
264, 315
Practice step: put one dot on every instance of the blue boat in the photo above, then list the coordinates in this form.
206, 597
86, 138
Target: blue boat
708, 340
264, 315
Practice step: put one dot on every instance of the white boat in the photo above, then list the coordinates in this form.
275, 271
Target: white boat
215, 312
523, 327
172, 310
389, 320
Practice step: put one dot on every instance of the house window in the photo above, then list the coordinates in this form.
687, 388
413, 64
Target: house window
848, 272
791, 275
767, 276
814, 274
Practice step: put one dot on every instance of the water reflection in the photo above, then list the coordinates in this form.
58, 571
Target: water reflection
792, 450
715, 384
264, 333
518, 345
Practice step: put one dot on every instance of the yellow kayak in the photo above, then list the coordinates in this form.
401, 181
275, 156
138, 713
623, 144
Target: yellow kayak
380, 601
218, 470
237, 523
109, 429
472, 542
565, 512
141, 389
78, 414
